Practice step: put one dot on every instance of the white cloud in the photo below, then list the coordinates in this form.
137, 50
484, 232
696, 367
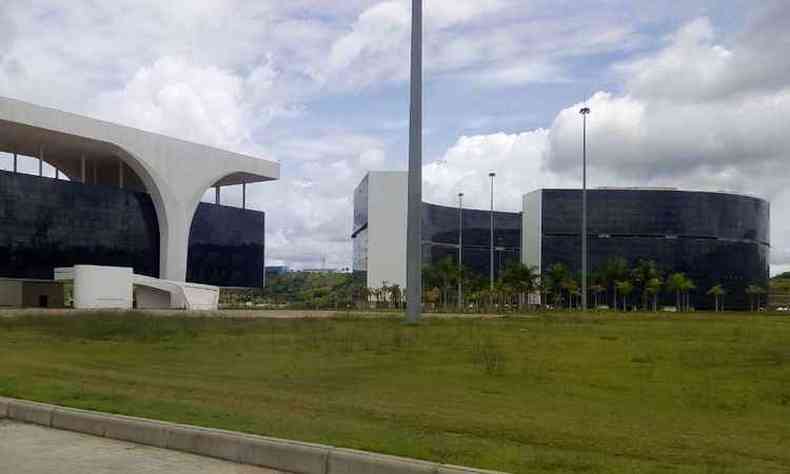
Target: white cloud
177, 98
687, 119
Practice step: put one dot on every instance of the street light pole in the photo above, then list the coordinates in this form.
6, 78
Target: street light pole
460, 247
584, 112
491, 268
414, 217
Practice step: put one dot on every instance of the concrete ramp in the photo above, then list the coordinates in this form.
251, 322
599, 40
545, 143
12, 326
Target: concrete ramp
101, 287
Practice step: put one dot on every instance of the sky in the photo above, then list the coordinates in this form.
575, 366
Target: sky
691, 94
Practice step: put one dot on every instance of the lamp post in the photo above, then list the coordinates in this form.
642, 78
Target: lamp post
584, 112
460, 248
414, 219
491, 268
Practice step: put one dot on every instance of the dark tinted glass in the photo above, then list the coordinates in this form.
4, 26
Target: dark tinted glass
713, 238
46, 223
226, 246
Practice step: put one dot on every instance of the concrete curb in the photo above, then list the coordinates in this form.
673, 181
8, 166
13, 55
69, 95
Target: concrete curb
279, 454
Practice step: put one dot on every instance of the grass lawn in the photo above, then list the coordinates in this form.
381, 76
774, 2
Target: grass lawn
549, 394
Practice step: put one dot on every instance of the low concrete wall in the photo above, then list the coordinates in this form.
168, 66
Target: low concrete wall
282, 455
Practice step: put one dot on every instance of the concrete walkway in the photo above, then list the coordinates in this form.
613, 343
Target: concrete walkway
33, 449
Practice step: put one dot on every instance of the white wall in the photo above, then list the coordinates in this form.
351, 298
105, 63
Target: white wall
387, 208
102, 287
151, 298
201, 297
531, 229
11, 293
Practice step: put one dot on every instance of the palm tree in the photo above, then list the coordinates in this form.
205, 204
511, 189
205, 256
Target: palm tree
675, 284
395, 295
688, 285
571, 286
624, 288
522, 279
717, 291
754, 291
615, 269
642, 274
558, 273
652, 289
596, 290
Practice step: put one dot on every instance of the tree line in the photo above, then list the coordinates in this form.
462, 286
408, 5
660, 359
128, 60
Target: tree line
615, 284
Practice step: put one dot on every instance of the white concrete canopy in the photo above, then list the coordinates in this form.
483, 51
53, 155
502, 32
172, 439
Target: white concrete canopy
174, 172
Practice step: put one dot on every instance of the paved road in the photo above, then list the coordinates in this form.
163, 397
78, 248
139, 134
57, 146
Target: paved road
32, 449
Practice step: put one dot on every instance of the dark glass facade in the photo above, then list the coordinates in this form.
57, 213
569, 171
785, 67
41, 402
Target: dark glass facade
711, 237
359, 264
226, 246
440, 237
47, 223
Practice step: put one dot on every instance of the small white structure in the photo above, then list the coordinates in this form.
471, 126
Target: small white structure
101, 287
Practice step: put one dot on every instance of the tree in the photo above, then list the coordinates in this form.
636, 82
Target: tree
641, 275
652, 289
522, 279
396, 294
596, 290
716, 291
755, 292
442, 275
675, 283
686, 288
615, 269
558, 273
625, 288
571, 286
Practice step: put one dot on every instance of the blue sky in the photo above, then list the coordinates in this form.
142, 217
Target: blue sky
684, 93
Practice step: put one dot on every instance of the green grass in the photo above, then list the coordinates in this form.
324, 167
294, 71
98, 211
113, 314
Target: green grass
551, 394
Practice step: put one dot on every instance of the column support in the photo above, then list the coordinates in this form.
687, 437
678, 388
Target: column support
83, 175
15, 162
41, 161
120, 173
216, 195
244, 195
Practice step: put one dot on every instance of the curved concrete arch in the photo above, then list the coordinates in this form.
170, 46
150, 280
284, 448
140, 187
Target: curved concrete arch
176, 173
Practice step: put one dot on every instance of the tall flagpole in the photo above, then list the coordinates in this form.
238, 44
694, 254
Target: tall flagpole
414, 220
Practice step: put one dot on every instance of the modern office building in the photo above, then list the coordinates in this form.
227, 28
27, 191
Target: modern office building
379, 234
121, 197
711, 237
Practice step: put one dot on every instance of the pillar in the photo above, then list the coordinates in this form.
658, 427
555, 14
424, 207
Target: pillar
244, 195
83, 174
15, 162
120, 174
216, 195
41, 161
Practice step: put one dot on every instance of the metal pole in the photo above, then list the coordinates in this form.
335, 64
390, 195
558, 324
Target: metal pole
216, 195
460, 247
491, 276
15, 162
41, 161
414, 220
244, 195
584, 111
120, 174
83, 169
